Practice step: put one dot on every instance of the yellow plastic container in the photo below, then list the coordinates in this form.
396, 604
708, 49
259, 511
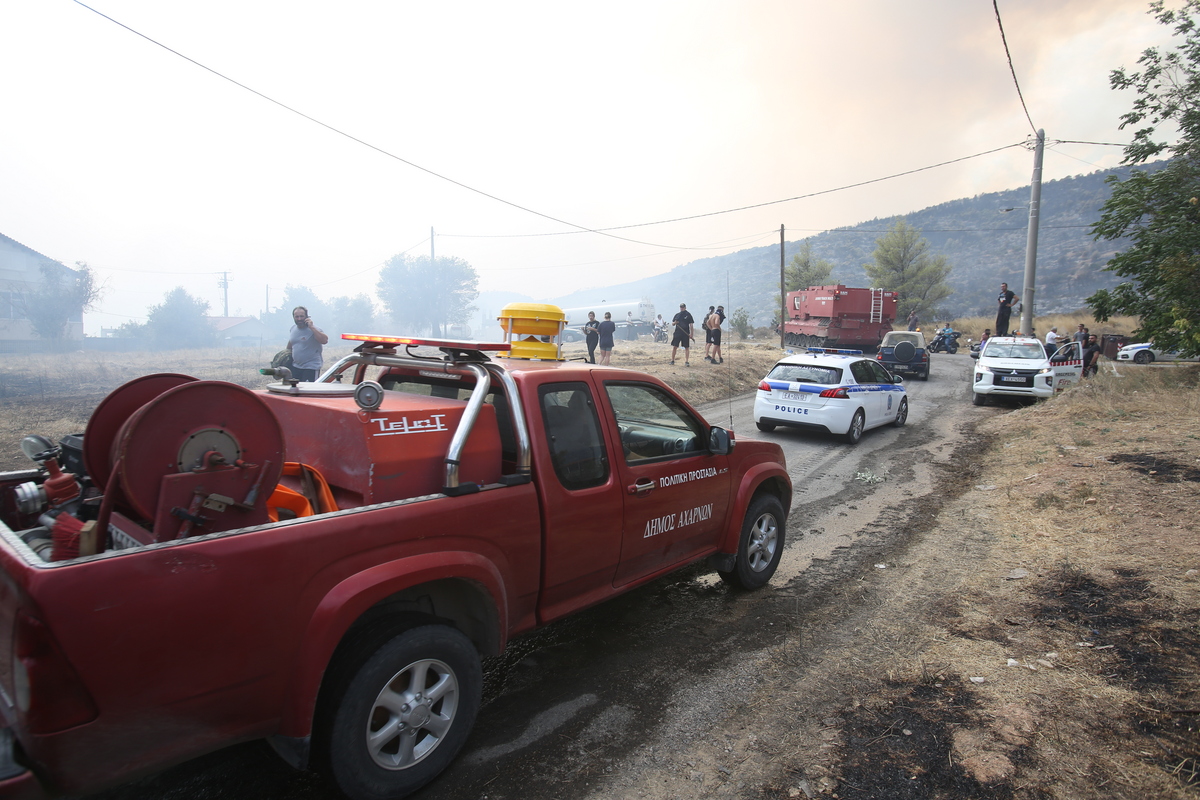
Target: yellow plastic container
533, 330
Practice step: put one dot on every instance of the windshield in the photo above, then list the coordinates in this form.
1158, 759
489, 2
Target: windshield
893, 339
806, 373
1030, 350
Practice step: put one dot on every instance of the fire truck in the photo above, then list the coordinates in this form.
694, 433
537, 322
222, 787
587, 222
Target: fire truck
839, 316
324, 564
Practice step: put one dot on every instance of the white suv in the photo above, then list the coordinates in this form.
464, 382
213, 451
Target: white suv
1018, 366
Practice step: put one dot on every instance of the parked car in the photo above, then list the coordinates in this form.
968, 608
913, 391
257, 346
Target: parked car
1019, 367
839, 391
1146, 353
904, 352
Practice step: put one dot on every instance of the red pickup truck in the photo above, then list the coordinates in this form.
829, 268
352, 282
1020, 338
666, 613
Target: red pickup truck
324, 564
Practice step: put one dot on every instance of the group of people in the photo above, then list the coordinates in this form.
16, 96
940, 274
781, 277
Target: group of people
685, 323
600, 334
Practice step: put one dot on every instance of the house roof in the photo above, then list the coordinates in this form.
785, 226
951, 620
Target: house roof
13, 241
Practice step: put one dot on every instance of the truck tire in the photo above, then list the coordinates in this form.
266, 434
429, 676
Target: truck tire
854, 433
402, 716
760, 546
979, 399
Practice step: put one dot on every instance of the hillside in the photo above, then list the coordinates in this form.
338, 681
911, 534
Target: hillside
984, 245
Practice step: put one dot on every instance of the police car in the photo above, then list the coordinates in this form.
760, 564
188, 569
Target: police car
1147, 353
838, 391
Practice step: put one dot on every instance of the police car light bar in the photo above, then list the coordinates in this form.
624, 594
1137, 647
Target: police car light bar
413, 341
831, 351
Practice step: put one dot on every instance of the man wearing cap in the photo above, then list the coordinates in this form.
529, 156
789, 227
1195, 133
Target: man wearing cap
683, 322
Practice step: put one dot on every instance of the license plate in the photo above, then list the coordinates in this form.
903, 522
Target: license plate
796, 397
1012, 378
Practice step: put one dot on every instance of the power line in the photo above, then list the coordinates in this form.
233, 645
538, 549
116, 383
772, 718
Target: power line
1008, 55
364, 143
743, 208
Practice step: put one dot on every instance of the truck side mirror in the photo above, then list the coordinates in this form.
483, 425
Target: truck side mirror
719, 443
975, 354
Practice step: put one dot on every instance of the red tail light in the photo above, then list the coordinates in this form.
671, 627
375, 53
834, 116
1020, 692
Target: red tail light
763, 386
838, 392
49, 692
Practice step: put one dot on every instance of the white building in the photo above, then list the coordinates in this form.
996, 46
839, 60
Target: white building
21, 273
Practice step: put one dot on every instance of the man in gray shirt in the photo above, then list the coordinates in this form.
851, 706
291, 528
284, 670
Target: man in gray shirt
305, 341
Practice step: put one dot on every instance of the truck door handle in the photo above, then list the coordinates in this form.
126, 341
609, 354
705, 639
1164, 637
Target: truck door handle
643, 486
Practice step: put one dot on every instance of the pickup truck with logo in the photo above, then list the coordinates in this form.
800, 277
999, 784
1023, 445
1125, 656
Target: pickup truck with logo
323, 565
1017, 366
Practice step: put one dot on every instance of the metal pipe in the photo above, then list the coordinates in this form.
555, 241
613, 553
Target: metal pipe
459, 440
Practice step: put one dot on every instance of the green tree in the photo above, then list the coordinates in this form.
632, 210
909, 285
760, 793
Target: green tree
280, 321
740, 322
61, 298
352, 314
903, 263
420, 295
806, 270
1159, 212
180, 322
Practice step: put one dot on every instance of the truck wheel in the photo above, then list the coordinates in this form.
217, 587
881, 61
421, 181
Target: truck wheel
764, 426
403, 715
760, 546
855, 432
979, 399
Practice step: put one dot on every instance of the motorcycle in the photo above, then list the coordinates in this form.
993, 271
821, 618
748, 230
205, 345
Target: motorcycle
660, 334
945, 342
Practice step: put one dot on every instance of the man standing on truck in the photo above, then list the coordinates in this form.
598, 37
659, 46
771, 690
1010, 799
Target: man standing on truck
683, 322
1006, 300
304, 341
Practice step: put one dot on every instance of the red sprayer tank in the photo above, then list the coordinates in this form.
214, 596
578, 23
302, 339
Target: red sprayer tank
838, 316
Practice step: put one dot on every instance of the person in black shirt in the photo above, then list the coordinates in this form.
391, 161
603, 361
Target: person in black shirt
591, 330
1091, 357
606, 330
1005, 302
683, 322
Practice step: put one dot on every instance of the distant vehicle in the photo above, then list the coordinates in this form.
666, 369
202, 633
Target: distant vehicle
839, 391
642, 319
839, 316
1018, 366
905, 352
1146, 353
945, 342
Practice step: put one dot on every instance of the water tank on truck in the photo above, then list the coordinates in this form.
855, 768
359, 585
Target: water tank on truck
839, 316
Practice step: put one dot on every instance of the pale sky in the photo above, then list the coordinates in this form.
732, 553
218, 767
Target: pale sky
158, 173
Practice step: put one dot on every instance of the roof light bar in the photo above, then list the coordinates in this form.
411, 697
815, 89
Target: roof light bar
832, 351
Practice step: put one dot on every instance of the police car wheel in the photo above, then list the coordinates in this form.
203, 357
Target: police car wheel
764, 426
901, 413
761, 544
1143, 357
854, 433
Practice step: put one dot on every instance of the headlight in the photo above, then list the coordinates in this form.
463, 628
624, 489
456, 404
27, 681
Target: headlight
981, 368
1044, 370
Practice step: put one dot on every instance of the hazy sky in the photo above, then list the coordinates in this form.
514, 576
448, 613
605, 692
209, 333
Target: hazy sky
158, 173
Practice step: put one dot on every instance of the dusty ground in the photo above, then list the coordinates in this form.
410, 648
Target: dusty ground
1032, 633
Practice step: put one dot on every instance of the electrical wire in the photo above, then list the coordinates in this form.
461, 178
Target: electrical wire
1011, 69
368, 269
364, 143
744, 208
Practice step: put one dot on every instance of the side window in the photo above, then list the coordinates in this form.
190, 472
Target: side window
573, 435
861, 370
881, 374
653, 424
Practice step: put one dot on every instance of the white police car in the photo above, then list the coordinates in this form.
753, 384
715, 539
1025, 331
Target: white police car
838, 391
1147, 353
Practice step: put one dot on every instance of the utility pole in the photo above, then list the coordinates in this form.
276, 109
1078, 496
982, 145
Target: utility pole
1031, 240
783, 309
224, 284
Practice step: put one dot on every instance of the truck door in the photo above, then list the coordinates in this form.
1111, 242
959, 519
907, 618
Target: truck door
581, 500
1067, 364
675, 493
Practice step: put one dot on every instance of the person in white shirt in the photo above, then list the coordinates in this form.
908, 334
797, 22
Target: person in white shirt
1052, 340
